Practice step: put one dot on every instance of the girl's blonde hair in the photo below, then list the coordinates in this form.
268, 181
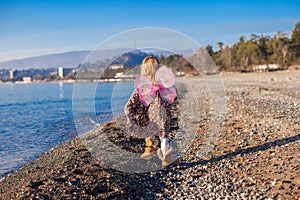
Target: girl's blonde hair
149, 67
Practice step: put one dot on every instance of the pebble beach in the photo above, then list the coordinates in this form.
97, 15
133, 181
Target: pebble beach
255, 155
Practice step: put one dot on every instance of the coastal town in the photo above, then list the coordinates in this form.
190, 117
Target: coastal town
36, 75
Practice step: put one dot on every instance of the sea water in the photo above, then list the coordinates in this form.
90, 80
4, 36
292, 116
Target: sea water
36, 117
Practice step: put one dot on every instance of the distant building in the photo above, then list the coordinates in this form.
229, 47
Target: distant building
265, 67
180, 73
116, 67
62, 72
273, 66
26, 79
13, 73
119, 74
53, 73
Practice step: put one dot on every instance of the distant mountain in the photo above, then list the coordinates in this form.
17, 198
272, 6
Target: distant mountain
66, 59
74, 58
70, 59
136, 57
183, 52
130, 59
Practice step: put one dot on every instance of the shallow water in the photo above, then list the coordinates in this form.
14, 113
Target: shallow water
36, 117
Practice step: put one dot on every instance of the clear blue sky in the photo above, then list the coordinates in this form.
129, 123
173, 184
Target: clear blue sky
29, 28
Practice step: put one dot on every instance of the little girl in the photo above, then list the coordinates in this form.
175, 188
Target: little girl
148, 113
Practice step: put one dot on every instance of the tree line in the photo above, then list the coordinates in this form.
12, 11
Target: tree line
258, 50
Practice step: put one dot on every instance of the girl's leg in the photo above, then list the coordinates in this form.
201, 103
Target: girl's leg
165, 151
164, 145
164, 141
151, 143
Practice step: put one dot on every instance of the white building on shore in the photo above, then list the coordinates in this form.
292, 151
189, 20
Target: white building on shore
265, 67
116, 67
12, 74
27, 79
62, 71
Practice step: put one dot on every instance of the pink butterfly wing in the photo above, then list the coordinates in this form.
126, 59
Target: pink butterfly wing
165, 77
143, 85
169, 94
166, 83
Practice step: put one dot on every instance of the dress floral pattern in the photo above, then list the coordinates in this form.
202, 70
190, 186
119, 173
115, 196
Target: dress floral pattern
144, 121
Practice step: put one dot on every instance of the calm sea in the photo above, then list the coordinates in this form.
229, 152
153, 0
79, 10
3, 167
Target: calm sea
37, 117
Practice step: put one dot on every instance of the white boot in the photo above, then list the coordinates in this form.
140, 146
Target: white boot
164, 145
165, 153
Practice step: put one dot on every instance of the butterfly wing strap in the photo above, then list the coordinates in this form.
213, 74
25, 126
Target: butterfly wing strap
165, 85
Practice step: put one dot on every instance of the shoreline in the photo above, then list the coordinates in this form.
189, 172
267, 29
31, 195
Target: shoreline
131, 79
110, 80
254, 157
